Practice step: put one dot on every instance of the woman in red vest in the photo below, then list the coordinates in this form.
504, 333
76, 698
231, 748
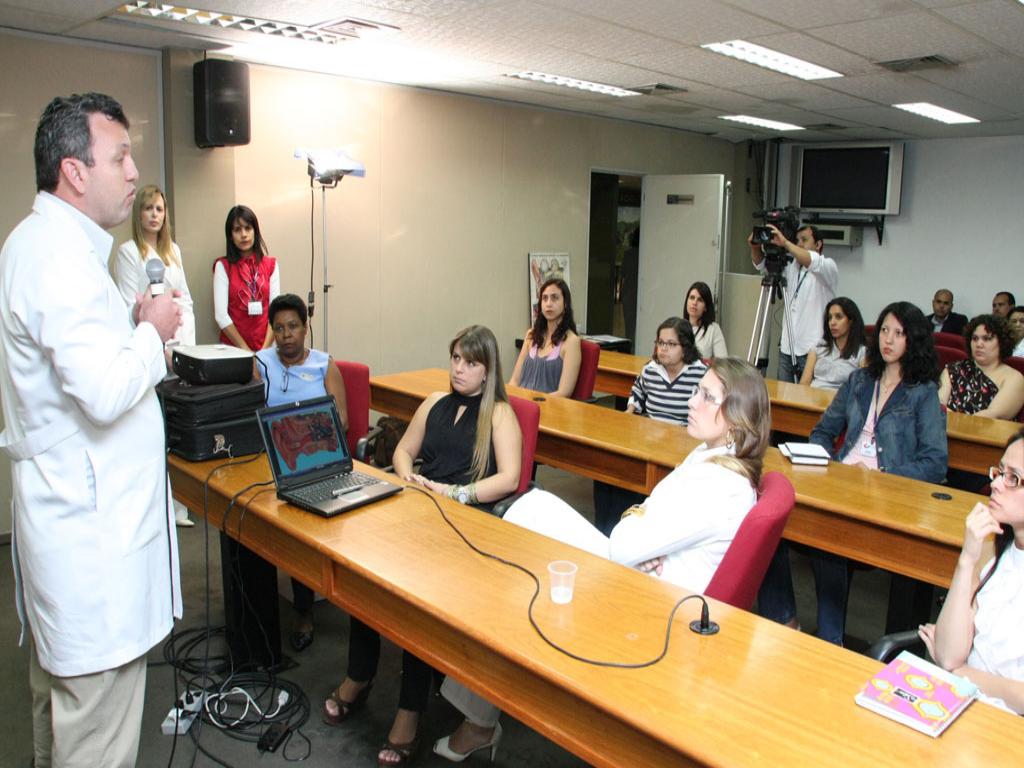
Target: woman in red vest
244, 283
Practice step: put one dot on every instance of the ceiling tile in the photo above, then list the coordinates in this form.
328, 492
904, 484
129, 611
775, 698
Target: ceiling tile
904, 36
999, 22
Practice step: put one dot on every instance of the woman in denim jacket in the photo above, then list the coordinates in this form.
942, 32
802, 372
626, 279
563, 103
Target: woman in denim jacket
893, 422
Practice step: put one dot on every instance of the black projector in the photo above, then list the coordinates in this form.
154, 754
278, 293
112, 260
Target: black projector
212, 364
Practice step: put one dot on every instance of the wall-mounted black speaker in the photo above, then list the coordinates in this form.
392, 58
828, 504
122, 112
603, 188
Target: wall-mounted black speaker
221, 99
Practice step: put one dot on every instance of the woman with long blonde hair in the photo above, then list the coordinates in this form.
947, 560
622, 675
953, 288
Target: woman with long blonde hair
679, 533
471, 447
151, 238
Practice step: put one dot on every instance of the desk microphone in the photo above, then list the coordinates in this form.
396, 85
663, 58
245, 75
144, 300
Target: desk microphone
704, 625
155, 273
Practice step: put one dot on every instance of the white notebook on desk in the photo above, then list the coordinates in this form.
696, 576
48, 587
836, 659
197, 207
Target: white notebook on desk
805, 453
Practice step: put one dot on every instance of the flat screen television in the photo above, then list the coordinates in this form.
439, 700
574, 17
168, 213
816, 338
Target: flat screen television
861, 177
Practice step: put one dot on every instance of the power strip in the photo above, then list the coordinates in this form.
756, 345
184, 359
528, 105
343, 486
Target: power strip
183, 713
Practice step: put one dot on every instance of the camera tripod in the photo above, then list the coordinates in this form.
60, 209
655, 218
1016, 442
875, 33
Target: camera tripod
773, 287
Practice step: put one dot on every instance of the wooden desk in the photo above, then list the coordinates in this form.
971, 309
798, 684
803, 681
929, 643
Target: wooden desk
975, 442
754, 694
883, 520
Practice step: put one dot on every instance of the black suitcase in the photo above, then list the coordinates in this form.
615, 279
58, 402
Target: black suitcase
197, 404
229, 438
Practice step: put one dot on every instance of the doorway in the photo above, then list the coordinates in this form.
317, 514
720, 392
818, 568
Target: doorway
613, 259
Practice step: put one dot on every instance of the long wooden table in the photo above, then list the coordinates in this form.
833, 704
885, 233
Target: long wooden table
754, 694
891, 522
975, 442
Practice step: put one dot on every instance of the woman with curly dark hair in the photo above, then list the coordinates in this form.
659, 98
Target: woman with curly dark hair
550, 358
983, 384
893, 422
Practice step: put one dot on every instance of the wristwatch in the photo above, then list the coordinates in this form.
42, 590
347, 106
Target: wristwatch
462, 494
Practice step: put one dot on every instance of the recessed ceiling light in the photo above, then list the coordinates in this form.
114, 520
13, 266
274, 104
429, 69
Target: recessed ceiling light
947, 116
571, 82
761, 122
769, 59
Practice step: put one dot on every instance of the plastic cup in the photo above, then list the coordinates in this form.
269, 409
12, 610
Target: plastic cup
563, 575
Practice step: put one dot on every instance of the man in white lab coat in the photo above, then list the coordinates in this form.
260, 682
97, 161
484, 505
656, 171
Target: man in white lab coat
95, 557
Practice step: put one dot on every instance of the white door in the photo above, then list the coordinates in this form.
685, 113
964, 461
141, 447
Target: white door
680, 243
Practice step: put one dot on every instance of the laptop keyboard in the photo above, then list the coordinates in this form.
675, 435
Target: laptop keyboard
325, 490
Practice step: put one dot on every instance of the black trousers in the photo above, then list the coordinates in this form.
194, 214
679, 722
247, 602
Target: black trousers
364, 655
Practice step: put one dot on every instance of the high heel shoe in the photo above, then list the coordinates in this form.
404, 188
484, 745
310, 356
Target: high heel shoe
442, 748
345, 708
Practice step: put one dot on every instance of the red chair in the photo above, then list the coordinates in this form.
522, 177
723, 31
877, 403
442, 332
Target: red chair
357, 399
528, 415
870, 331
949, 355
1017, 363
590, 353
741, 571
952, 340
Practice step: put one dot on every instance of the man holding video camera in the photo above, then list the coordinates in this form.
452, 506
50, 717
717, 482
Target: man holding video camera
811, 280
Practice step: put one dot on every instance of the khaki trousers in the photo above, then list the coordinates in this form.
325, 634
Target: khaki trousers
87, 721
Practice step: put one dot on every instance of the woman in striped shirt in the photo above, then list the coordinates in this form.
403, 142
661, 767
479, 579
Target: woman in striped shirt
663, 388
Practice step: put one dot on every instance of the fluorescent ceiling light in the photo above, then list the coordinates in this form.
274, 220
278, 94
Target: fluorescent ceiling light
761, 122
331, 33
947, 116
769, 59
571, 82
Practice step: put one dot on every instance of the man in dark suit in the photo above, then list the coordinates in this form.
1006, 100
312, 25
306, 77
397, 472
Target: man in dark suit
943, 317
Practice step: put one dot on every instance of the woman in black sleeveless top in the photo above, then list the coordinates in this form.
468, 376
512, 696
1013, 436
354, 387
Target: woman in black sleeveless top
471, 448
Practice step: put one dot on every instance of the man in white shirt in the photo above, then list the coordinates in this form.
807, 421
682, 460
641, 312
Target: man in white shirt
811, 283
95, 558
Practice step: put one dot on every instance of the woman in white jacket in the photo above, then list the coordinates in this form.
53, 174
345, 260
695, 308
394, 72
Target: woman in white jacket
680, 533
151, 238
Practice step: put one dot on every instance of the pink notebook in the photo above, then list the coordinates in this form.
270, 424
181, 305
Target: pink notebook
914, 692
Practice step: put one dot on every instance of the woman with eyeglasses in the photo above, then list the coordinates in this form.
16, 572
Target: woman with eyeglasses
889, 412
662, 391
471, 447
842, 348
984, 385
978, 632
700, 311
245, 281
292, 373
680, 533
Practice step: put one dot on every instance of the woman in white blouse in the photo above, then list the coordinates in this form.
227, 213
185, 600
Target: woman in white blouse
680, 533
978, 633
700, 311
151, 238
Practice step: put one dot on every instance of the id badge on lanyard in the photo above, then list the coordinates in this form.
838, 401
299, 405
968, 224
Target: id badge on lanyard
869, 447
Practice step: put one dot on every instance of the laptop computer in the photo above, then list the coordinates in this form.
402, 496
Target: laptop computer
309, 457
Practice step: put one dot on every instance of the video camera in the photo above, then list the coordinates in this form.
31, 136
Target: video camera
787, 220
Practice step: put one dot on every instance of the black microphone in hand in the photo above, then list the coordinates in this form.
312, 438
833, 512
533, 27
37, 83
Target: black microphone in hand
155, 273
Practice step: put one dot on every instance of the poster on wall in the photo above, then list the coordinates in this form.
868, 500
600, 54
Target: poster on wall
543, 267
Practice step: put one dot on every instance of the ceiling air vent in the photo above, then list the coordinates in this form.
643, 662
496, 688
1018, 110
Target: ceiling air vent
934, 61
825, 127
357, 28
658, 89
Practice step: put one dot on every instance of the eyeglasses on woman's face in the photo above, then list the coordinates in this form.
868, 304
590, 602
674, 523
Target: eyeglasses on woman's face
666, 343
1010, 479
704, 395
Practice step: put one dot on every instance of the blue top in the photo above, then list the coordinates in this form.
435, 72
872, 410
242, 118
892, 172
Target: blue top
296, 382
910, 433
